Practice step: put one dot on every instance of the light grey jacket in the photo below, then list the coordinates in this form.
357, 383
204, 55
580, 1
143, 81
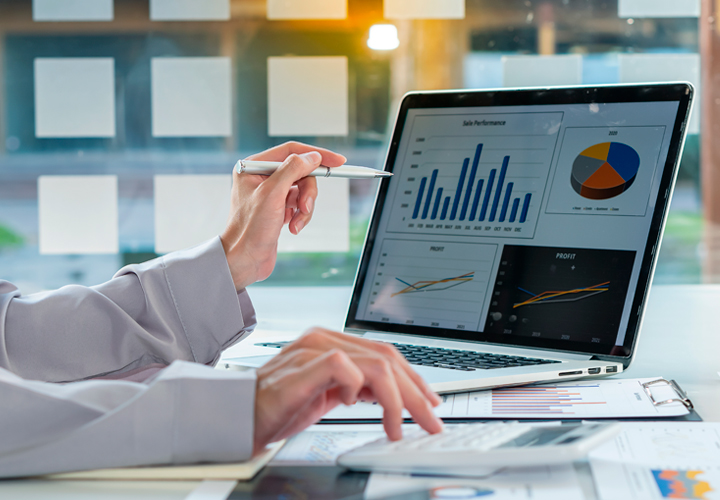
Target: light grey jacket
126, 346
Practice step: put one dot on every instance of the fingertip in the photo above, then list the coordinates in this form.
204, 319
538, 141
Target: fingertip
435, 398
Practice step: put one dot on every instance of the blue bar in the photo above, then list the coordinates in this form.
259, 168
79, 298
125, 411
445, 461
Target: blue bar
471, 181
476, 201
506, 201
437, 204
514, 211
458, 193
526, 207
430, 194
445, 208
419, 198
498, 191
488, 190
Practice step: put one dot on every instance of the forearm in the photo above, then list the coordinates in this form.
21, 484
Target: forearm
181, 306
188, 414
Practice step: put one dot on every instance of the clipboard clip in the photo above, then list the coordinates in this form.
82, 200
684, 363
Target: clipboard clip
682, 397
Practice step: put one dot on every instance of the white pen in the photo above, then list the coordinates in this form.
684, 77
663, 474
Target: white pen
346, 171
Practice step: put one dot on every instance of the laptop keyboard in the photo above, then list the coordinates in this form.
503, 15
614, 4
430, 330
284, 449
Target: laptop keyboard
452, 359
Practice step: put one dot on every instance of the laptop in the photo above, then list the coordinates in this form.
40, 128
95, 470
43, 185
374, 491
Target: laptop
517, 239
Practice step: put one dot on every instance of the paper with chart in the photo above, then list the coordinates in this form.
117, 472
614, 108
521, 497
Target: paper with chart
610, 398
649, 461
536, 483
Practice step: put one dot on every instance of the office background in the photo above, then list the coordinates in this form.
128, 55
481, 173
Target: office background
120, 121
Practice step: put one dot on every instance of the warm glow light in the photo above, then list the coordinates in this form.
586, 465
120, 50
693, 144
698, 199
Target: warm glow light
383, 37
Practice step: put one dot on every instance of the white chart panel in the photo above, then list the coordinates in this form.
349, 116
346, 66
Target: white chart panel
536, 71
658, 8
436, 284
74, 97
606, 171
189, 10
190, 209
424, 9
191, 97
306, 9
78, 214
73, 10
308, 96
465, 175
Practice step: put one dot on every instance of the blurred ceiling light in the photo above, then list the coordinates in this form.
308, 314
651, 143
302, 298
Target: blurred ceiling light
383, 37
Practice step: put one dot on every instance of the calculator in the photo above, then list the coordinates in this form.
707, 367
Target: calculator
479, 449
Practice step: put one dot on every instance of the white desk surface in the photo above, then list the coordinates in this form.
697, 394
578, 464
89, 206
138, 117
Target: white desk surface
680, 339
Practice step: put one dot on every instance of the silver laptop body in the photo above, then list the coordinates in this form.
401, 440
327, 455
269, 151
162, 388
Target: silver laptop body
523, 223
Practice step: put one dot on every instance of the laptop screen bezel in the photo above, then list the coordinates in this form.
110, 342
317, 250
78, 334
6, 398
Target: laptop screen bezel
677, 92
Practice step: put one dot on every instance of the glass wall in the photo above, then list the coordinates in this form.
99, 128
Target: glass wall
120, 122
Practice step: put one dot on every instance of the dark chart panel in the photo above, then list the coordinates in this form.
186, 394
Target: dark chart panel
560, 293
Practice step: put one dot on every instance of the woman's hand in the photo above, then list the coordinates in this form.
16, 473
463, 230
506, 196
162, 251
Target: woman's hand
324, 369
261, 205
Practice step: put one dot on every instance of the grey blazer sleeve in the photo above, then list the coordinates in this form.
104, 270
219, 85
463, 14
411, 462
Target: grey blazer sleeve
188, 413
181, 306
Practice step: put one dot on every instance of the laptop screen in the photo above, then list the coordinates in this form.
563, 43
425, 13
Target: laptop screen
526, 217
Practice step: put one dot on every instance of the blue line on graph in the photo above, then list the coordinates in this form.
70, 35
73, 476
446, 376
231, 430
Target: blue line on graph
527, 291
405, 283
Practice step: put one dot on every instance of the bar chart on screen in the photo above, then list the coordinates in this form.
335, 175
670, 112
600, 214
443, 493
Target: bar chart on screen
475, 185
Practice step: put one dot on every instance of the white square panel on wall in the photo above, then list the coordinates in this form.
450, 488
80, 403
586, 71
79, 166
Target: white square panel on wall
73, 10
190, 209
78, 214
308, 96
542, 71
306, 9
329, 229
74, 97
425, 9
658, 8
189, 10
640, 68
191, 97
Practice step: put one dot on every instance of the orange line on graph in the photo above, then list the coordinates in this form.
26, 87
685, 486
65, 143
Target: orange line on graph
551, 295
419, 285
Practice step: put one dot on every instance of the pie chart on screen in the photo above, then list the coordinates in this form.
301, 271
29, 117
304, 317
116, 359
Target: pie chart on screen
605, 170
